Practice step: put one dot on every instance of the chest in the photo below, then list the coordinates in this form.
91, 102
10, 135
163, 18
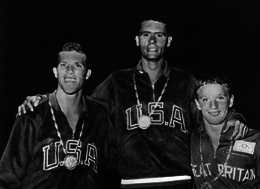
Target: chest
73, 120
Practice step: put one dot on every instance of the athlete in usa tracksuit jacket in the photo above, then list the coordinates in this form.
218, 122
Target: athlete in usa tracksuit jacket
34, 158
161, 151
243, 166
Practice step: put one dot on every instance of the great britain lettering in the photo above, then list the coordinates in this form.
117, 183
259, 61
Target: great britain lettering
231, 172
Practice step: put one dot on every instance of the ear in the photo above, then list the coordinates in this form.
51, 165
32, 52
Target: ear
198, 104
137, 40
88, 74
231, 101
169, 40
55, 72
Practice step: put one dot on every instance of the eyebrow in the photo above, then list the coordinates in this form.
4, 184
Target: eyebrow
67, 62
141, 32
205, 96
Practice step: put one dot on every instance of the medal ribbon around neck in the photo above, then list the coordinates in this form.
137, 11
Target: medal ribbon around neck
144, 121
70, 161
206, 184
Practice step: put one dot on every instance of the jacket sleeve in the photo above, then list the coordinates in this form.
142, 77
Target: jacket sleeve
196, 115
105, 94
257, 151
16, 157
109, 175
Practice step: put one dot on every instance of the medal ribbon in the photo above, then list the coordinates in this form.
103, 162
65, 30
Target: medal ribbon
160, 97
225, 164
58, 132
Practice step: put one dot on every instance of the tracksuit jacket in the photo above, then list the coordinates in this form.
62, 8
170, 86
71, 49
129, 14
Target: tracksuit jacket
243, 166
34, 157
158, 155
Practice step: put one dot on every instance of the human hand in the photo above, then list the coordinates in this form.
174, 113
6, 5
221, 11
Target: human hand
29, 103
240, 129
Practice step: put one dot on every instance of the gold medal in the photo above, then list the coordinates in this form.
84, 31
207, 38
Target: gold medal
206, 185
70, 162
144, 122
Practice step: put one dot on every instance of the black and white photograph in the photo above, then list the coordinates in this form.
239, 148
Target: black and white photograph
133, 79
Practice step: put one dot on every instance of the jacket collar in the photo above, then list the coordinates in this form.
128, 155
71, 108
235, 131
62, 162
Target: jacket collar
140, 69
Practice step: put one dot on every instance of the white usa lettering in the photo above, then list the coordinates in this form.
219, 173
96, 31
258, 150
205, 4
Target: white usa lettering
160, 116
51, 158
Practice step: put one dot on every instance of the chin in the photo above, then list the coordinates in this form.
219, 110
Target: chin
70, 91
215, 122
153, 58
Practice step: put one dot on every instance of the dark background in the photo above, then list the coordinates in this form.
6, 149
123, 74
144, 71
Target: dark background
209, 36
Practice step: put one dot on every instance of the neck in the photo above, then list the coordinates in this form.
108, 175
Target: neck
70, 104
214, 132
154, 68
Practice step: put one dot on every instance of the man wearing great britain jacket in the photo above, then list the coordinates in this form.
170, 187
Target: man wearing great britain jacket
59, 144
218, 162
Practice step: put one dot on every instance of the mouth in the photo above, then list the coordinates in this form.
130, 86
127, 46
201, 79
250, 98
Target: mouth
152, 49
69, 79
214, 114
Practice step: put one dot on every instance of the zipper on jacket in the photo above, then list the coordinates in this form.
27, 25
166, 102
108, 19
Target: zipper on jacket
153, 92
73, 134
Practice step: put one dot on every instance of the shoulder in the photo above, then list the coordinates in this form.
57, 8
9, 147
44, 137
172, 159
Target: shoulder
253, 134
182, 74
39, 112
121, 73
97, 111
32, 119
43, 105
182, 78
95, 105
114, 80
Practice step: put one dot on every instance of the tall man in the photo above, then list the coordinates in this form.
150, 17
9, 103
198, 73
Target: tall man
152, 109
218, 162
62, 144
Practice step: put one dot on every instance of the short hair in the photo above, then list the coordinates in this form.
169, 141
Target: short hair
155, 17
72, 47
214, 79
68, 47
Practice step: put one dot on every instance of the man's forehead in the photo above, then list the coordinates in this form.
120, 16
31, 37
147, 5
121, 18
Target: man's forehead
71, 55
212, 89
151, 25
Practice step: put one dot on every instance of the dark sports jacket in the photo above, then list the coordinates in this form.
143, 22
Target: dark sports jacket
161, 151
34, 157
243, 166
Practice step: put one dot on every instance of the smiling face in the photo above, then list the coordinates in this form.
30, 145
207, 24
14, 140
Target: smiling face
71, 72
153, 40
214, 102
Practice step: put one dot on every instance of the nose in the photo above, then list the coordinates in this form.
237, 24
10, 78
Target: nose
70, 69
152, 39
213, 104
